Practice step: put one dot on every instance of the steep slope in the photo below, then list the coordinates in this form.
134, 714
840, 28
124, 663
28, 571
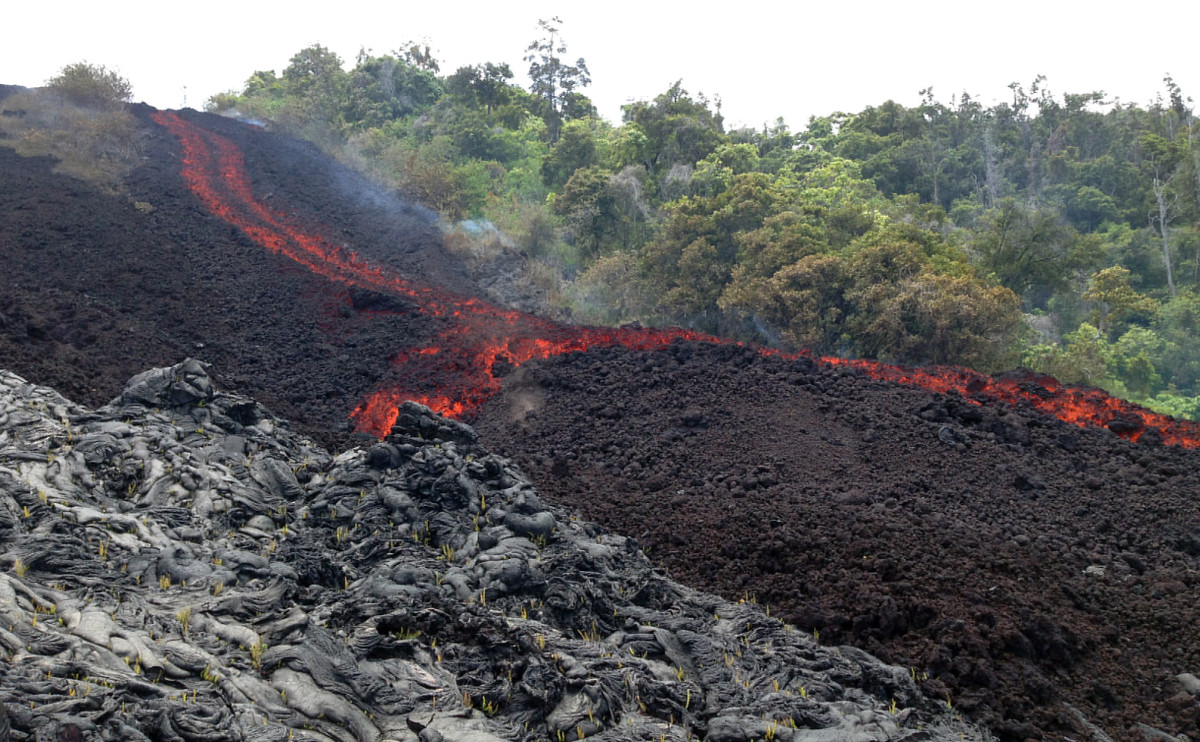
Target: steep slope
1025, 569
181, 566
1021, 565
97, 287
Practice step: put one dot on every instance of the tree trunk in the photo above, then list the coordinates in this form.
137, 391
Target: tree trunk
1164, 220
991, 172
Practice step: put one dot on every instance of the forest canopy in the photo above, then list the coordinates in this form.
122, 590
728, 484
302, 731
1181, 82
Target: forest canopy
1060, 232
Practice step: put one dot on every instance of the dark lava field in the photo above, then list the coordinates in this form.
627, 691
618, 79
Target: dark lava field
1041, 577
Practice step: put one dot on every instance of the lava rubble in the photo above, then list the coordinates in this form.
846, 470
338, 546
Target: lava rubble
1025, 569
182, 566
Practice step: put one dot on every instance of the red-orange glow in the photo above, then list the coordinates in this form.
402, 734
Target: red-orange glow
456, 374
1078, 405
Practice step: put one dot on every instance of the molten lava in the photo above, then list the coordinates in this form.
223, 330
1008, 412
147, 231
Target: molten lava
1082, 406
483, 335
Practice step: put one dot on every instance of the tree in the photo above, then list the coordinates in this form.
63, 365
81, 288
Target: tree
782, 240
1031, 251
804, 301
938, 318
1164, 163
1178, 322
419, 56
1115, 298
613, 290
588, 208
92, 85
678, 128
482, 85
554, 81
382, 89
575, 149
315, 75
1165, 204
1081, 359
1189, 129
714, 173
262, 82
697, 247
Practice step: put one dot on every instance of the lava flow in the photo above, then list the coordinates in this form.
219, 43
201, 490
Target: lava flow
461, 362
457, 374
1082, 406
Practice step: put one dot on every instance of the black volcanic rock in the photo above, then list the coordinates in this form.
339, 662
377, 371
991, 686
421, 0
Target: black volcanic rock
173, 573
98, 287
992, 550
1017, 563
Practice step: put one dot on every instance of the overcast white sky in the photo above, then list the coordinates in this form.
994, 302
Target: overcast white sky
763, 59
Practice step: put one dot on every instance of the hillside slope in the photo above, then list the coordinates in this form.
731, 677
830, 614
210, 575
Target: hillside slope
98, 287
1036, 575
1020, 565
182, 566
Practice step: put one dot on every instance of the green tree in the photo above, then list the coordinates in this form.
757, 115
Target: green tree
805, 301
937, 318
382, 89
679, 129
575, 149
773, 144
553, 81
1178, 323
262, 82
1087, 206
835, 192
1031, 251
1133, 361
715, 172
588, 210
419, 55
626, 146
782, 240
613, 290
1163, 163
1082, 358
694, 254
1109, 289
315, 77
483, 85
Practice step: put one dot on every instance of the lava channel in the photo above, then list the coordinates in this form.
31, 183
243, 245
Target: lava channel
465, 357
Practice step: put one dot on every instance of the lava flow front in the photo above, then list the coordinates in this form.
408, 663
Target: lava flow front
455, 375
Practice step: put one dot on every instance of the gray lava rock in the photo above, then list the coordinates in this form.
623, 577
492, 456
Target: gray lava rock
169, 576
538, 525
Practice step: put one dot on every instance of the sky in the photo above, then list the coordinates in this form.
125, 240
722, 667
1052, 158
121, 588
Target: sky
763, 60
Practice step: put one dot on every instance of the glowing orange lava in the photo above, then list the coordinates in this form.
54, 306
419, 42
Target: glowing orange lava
464, 358
1081, 406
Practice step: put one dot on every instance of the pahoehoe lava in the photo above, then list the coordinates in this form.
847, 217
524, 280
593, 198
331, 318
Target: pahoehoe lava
1025, 565
183, 567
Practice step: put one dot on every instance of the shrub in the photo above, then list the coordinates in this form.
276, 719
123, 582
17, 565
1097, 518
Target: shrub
94, 86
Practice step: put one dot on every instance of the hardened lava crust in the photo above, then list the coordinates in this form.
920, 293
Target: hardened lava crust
1038, 576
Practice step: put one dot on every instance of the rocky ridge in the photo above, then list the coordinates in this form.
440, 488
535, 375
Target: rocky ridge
180, 565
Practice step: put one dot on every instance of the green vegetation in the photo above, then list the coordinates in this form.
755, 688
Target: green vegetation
79, 118
1062, 233
91, 86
